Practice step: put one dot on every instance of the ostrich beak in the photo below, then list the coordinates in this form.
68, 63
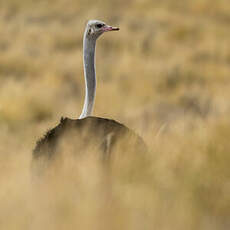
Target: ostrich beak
109, 28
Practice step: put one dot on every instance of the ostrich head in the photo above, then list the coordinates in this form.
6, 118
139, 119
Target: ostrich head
95, 28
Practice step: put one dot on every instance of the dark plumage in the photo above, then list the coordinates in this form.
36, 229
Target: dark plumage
100, 135
100, 128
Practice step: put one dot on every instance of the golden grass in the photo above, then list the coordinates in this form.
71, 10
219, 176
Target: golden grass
165, 74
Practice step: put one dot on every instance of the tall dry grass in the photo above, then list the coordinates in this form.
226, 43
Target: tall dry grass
165, 74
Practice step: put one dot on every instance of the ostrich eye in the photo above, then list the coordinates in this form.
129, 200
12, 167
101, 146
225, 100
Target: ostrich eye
99, 25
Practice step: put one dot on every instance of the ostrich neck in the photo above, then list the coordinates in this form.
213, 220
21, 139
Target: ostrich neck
90, 75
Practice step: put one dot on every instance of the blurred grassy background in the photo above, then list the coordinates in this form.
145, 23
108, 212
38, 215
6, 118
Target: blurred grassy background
165, 74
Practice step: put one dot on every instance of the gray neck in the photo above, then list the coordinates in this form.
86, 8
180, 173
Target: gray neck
89, 45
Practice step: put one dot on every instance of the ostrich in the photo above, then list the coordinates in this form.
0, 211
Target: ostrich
88, 132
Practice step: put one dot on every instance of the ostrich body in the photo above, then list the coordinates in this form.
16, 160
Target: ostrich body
87, 131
